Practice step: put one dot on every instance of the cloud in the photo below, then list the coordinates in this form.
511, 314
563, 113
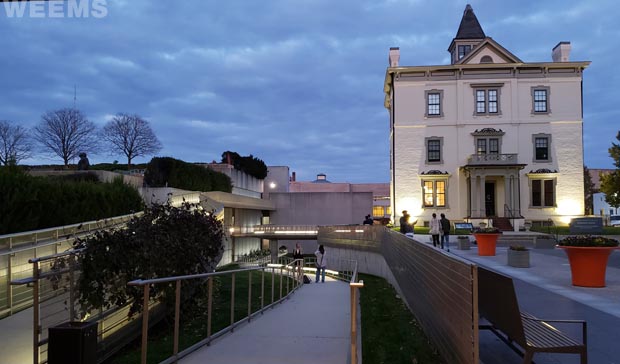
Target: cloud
295, 83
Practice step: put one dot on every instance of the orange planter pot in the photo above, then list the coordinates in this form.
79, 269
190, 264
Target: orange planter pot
486, 243
588, 265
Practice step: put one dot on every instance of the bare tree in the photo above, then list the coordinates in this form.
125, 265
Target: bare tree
66, 133
132, 136
15, 145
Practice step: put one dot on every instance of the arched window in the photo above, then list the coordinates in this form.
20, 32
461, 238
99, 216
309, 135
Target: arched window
486, 59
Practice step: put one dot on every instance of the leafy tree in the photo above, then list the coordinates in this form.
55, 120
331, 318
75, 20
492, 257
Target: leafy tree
15, 145
66, 133
165, 241
132, 136
610, 183
588, 191
249, 164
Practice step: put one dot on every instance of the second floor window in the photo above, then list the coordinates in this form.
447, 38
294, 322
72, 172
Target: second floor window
487, 145
433, 150
541, 148
487, 101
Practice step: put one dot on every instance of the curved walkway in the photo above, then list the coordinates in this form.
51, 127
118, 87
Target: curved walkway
312, 326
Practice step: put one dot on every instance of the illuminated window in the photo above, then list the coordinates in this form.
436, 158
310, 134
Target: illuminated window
377, 211
434, 193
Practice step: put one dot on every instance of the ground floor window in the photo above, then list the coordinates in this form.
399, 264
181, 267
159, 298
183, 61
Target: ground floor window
543, 192
434, 193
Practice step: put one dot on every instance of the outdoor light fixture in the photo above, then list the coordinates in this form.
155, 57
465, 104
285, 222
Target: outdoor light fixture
272, 185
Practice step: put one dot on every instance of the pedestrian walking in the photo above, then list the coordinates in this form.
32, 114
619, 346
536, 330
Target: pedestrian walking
435, 229
368, 220
321, 263
298, 254
445, 231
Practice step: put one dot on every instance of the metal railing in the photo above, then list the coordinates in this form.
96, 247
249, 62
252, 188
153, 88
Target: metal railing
284, 271
54, 297
17, 249
354, 286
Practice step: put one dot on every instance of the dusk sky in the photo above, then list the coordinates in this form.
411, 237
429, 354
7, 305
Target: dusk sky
293, 82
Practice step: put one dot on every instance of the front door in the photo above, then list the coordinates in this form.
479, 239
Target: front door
489, 198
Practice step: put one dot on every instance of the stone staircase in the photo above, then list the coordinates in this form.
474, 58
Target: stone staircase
502, 223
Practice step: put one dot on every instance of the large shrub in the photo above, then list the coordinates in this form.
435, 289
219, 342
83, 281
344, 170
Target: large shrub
170, 172
165, 241
31, 203
251, 165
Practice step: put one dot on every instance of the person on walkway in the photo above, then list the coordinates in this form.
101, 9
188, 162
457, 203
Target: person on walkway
435, 228
445, 231
368, 220
298, 254
404, 222
321, 263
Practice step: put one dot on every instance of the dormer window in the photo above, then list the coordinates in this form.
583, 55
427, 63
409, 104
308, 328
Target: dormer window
463, 50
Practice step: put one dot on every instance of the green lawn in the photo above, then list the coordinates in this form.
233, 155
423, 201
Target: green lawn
194, 321
390, 333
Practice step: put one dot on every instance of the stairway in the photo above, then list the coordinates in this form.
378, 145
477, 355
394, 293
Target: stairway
502, 223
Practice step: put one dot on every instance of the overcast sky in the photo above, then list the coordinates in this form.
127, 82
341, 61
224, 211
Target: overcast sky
293, 82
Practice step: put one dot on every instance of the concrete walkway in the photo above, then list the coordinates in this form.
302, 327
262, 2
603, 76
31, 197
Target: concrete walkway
16, 338
312, 326
545, 290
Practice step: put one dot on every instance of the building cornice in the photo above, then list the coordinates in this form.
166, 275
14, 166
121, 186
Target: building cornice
485, 66
578, 66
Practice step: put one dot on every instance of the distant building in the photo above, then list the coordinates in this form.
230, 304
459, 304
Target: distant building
487, 137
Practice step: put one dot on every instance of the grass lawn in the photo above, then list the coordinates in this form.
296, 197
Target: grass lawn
193, 326
390, 333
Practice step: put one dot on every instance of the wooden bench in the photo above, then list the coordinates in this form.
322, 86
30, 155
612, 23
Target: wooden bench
497, 304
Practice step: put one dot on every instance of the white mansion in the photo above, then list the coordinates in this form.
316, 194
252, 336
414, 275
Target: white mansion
488, 137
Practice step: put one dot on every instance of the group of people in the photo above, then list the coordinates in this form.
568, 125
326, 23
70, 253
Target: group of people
439, 229
321, 261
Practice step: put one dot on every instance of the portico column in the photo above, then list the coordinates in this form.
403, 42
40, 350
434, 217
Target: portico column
473, 187
481, 197
508, 192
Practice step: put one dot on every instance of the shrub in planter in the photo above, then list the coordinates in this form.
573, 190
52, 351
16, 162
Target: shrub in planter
588, 256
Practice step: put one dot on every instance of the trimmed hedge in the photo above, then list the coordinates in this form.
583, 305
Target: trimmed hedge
170, 172
32, 203
251, 165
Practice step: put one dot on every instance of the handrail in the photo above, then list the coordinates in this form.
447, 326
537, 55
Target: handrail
354, 286
60, 230
176, 355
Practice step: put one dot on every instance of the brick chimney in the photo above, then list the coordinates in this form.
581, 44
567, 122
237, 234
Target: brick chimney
394, 57
561, 52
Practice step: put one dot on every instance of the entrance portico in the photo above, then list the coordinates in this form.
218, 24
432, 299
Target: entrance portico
493, 189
